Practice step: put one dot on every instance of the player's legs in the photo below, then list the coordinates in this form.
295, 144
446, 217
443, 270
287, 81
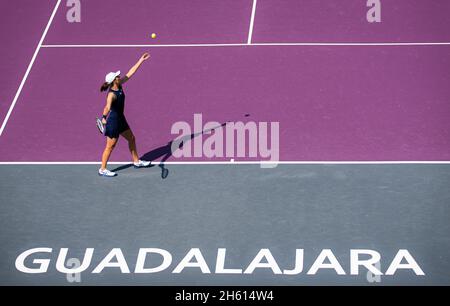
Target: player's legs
110, 145
129, 136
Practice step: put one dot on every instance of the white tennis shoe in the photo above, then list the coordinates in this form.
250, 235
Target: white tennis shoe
106, 173
142, 164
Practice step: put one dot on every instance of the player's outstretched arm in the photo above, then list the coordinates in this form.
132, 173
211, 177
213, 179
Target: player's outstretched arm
133, 69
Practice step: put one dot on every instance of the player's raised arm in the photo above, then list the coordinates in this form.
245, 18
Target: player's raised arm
133, 69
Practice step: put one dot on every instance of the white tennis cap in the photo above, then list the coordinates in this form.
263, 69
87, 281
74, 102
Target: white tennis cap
111, 76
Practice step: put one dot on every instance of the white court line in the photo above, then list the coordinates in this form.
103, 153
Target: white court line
325, 44
369, 44
240, 163
16, 97
252, 20
145, 46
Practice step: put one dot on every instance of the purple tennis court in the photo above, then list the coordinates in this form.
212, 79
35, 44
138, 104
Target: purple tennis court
342, 89
333, 103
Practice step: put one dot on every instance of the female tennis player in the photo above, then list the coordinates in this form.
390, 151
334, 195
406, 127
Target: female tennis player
114, 118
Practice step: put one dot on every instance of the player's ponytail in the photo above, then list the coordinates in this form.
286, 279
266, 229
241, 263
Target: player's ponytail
105, 86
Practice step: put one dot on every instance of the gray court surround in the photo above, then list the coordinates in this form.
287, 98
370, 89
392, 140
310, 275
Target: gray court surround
242, 208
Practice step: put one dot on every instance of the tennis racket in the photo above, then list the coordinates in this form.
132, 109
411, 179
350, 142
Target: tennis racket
100, 126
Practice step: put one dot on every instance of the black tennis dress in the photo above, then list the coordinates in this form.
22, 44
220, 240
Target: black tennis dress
116, 123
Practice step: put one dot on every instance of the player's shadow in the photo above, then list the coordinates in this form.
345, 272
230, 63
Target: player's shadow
166, 151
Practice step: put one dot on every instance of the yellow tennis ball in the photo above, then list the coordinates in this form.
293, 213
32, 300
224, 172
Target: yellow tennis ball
153, 35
